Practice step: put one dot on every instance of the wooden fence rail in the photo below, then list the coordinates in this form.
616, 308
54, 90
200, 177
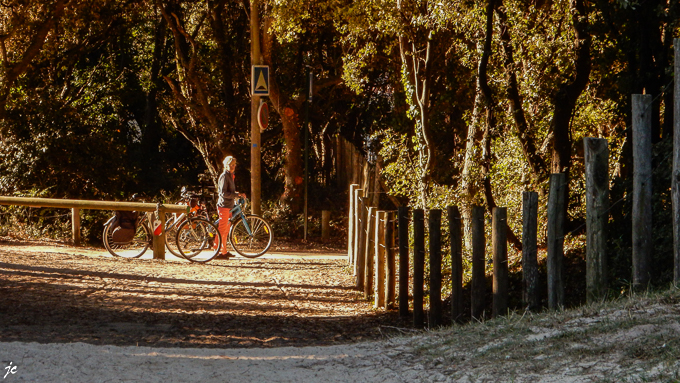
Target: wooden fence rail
77, 205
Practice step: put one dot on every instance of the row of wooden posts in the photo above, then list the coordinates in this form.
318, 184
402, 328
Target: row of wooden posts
371, 244
372, 252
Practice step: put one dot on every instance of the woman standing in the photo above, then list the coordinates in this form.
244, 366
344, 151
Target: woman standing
226, 195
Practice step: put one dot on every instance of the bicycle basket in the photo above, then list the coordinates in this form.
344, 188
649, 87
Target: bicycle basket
126, 220
122, 235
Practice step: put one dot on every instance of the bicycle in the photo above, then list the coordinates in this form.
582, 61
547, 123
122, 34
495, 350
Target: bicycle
197, 209
133, 238
198, 240
250, 235
192, 237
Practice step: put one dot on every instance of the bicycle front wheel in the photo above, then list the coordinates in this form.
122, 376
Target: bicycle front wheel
129, 249
251, 237
198, 240
171, 224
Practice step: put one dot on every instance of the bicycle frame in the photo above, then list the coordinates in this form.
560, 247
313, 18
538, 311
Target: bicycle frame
237, 214
193, 212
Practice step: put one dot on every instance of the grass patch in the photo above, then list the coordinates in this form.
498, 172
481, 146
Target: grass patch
632, 338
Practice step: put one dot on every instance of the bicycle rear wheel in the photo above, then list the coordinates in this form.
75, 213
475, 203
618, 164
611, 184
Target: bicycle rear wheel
171, 225
130, 249
198, 240
254, 243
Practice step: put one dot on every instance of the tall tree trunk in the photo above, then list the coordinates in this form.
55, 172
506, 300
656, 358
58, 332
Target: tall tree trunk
193, 92
568, 93
416, 72
10, 72
470, 182
489, 134
151, 125
217, 14
536, 163
289, 111
294, 181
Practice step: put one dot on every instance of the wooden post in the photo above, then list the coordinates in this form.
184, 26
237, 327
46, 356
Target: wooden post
676, 164
75, 225
325, 224
158, 240
642, 189
360, 255
403, 261
379, 284
359, 226
418, 266
597, 203
390, 274
556, 212
368, 251
456, 238
530, 296
435, 221
478, 283
499, 230
364, 239
351, 230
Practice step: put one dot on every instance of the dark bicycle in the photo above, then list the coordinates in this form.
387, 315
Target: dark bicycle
188, 235
127, 234
197, 209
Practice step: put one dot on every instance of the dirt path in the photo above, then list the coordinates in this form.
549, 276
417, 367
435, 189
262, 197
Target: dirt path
85, 363
71, 316
81, 295
79, 315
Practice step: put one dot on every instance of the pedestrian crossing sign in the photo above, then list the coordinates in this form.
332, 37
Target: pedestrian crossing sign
260, 80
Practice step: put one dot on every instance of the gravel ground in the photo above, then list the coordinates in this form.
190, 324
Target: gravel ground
76, 315
79, 315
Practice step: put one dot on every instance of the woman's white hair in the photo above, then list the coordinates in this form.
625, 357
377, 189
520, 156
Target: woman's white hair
228, 160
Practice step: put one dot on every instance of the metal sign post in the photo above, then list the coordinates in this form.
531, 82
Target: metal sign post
259, 88
310, 79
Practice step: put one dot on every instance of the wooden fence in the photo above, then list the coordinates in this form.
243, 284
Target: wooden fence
77, 205
372, 237
376, 246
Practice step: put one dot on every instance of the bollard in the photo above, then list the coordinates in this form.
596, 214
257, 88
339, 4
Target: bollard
500, 261
456, 238
403, 261
418, 267
435, 220
478, 283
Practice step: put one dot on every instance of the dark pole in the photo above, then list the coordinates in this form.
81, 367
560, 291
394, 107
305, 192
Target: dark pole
500, 261
309, 76
478, 283
555, 229
530, 296
403, 261
456, 264
418, 266
435, 268
389, 259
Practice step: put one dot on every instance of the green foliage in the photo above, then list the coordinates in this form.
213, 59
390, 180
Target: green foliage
115, 103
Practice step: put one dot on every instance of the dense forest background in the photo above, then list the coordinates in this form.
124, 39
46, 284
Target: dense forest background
461, 101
